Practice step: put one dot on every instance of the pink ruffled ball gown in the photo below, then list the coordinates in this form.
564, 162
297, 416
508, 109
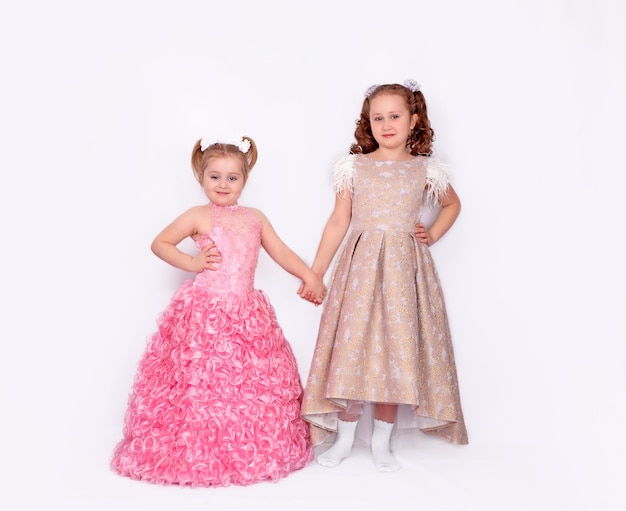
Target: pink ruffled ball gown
217, 395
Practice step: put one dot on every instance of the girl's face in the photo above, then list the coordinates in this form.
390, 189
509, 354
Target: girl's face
391, 121
223, 180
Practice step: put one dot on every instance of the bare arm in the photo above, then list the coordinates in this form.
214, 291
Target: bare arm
290, 261
450, 210
189, 224
333, 234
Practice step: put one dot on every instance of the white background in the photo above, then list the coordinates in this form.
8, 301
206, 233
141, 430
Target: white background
101, 103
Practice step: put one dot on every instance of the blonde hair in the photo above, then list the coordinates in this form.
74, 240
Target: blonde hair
200, 158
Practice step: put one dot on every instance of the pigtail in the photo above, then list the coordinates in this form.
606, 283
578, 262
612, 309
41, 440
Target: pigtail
422, 135
251, 154
244, 148
197, 161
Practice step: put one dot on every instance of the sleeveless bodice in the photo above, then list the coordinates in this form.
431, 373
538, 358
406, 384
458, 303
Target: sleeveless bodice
217, 396
236, 231
388, 195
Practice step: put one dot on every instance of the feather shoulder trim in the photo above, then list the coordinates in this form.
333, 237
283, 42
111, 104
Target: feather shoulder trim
342, 175
437, 180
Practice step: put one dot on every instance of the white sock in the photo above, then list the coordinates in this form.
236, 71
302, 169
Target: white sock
383, 459
342, 447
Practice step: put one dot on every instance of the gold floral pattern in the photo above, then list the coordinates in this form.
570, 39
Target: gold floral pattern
384, 335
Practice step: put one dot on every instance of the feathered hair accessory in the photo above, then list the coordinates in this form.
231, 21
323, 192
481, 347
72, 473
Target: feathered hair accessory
410, 84
370, 90
240, 143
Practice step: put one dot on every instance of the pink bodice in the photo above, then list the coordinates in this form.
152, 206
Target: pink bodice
236, 231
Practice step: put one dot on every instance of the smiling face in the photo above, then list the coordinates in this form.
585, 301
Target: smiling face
391, 123
223, 180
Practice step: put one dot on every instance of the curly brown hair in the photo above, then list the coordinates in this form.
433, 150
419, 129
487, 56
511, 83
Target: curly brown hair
200, 158
422, 135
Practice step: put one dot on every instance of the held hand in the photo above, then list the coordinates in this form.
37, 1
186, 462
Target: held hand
422, 234
313, 290
209, 258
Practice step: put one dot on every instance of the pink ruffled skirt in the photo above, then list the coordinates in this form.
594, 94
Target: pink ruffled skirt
217, 395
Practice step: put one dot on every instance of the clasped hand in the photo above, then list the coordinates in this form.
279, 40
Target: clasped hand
313, 289
209, 258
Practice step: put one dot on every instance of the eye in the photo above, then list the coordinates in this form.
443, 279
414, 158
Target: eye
213, 177
395, 116
232, 178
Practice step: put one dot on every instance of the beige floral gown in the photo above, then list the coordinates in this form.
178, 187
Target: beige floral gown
384, 335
